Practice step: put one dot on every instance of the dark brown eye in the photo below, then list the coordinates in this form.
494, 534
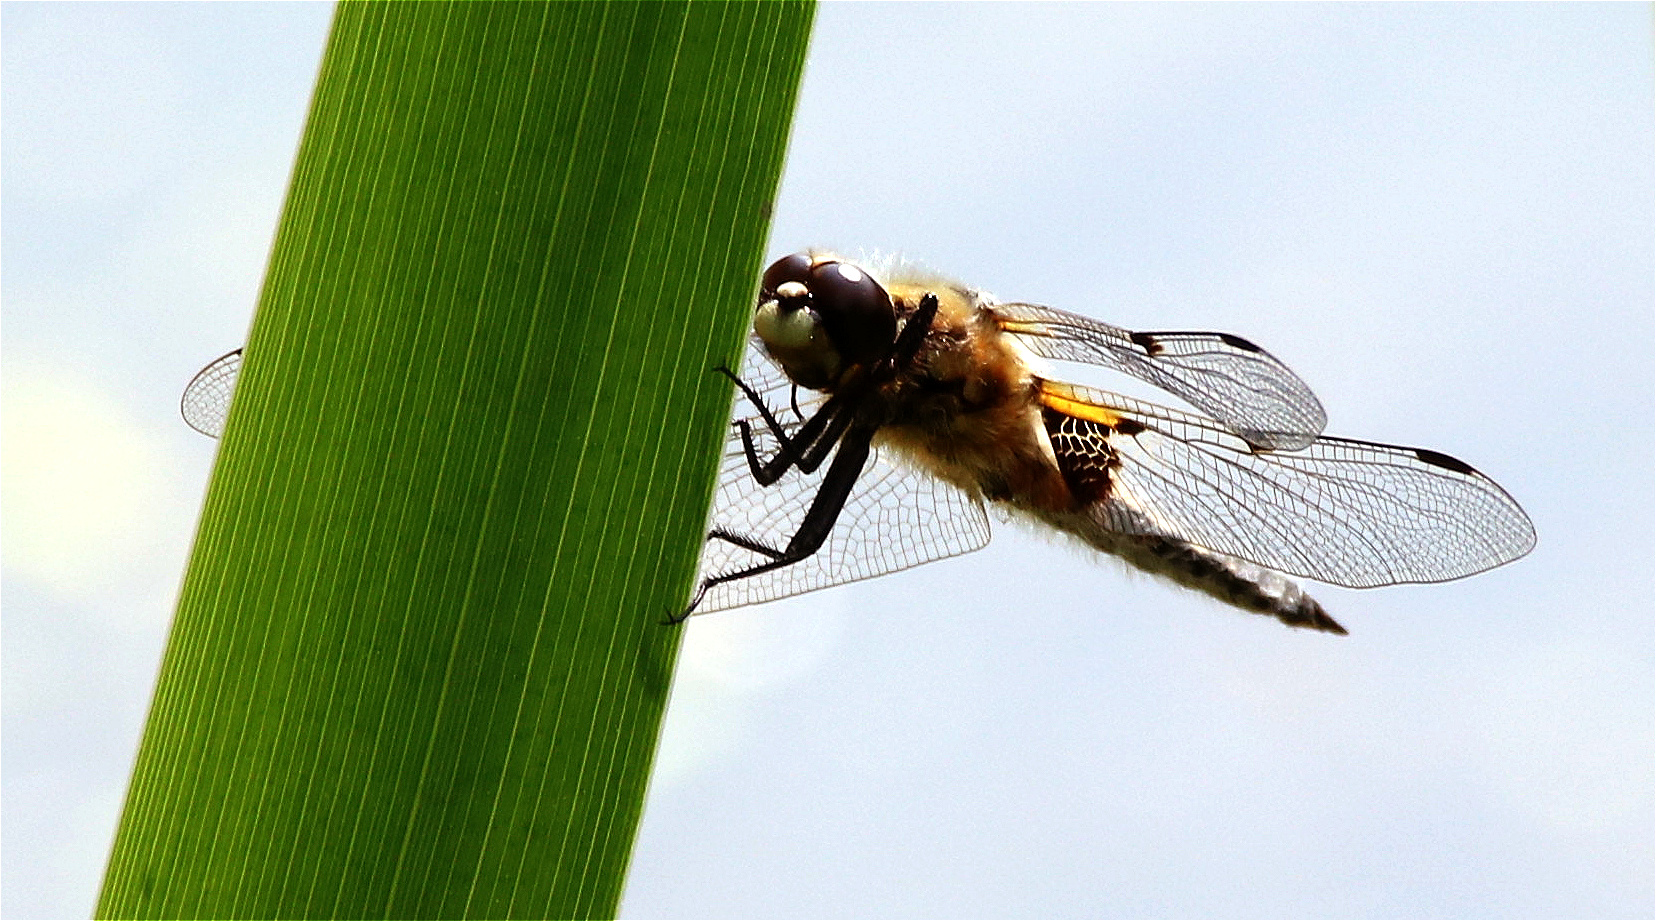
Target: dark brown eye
789, 268
855, 310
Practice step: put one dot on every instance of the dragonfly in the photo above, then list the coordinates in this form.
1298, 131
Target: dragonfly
876, 425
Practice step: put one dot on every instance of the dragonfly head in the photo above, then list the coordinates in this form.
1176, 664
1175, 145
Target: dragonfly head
820, 317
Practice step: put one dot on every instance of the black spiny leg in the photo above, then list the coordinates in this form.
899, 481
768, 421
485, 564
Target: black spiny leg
808, 447
914, 331
758, 401
819, 518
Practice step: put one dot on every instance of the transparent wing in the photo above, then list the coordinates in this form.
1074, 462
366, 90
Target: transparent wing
206, 400
1226, 377
1351, 513
895, 518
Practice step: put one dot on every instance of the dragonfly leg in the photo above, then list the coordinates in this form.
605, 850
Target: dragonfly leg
831, 425
819, 519
806, 449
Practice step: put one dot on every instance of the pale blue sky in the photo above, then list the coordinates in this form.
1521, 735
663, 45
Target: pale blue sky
1440, 216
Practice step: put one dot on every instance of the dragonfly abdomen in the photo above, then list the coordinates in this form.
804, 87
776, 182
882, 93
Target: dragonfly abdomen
1233, 581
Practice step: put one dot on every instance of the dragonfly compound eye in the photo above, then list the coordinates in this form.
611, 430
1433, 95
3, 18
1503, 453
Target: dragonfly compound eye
789, 268
819, 317
855, 311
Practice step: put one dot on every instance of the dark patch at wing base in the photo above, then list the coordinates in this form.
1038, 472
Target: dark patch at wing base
1084, 455
1353, 513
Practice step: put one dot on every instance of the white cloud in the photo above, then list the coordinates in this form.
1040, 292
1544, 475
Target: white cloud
82, 484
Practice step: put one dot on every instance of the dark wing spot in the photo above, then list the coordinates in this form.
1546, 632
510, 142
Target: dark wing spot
1148, 343
1237, 342
1437, 459
1129, 427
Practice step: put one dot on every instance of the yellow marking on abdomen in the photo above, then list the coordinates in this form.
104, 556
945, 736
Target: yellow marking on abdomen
1060, 398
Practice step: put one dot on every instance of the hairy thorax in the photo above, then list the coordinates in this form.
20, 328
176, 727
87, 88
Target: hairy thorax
966, 411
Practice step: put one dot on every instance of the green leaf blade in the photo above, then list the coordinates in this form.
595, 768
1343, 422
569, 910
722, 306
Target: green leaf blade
418, 666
